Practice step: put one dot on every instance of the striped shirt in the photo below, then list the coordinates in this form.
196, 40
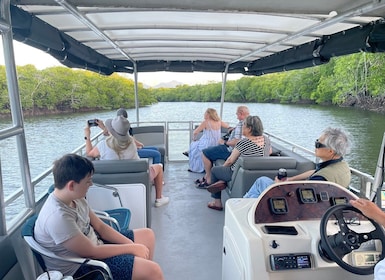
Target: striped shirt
246, 147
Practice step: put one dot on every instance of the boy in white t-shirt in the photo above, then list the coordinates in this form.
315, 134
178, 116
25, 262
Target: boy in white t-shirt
68, 227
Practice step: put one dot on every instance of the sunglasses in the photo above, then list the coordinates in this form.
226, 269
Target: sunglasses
319, 145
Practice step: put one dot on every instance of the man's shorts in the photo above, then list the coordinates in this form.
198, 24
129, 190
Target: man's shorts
216, 152
121, 266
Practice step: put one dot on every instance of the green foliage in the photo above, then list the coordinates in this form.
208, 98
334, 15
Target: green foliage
376, 77
63, 89
354, 75
4, 100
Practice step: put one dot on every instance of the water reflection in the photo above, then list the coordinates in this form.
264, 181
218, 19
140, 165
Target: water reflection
49, 137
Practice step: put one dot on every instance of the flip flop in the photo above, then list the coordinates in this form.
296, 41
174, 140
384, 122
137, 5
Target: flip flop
211, 206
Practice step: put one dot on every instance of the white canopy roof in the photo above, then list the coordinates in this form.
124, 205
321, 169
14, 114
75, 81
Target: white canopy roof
249, 36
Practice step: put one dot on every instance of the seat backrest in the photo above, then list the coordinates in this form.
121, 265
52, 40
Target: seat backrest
127, 171
130, 196
28, 231
150, 135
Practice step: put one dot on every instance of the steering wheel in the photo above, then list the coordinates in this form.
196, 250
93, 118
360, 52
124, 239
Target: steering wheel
336, 246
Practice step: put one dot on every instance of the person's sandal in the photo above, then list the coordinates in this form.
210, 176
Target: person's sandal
202, 185
200, 181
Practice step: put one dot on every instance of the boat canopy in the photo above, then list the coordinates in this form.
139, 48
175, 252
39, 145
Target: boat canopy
250, 37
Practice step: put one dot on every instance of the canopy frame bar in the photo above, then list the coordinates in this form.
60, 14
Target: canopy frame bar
376, 4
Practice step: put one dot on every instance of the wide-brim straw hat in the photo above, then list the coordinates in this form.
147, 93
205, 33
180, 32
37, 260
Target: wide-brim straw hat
118, 127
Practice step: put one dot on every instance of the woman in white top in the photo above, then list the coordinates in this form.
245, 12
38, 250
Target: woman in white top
120, 145
211, 128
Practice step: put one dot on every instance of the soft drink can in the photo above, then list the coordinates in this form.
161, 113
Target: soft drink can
282, 173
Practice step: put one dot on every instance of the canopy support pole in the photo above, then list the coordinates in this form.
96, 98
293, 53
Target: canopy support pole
136, 92
17, 130
224, 79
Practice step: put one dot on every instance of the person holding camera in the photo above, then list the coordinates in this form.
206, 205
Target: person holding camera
143, 151
211, 128
223, 149
120, 145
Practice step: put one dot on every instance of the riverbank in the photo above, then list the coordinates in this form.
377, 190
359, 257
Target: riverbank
363, 103
46, 112
376, 104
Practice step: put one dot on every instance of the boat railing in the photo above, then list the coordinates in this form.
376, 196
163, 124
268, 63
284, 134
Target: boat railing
47, 173
294, 147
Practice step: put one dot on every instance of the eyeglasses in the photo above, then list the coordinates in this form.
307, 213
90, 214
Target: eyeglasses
319, 145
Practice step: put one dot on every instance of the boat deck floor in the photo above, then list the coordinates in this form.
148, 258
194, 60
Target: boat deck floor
189, 235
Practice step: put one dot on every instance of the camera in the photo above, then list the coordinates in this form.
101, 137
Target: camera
93, 122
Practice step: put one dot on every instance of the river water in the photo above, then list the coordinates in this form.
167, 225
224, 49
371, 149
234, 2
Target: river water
49, 137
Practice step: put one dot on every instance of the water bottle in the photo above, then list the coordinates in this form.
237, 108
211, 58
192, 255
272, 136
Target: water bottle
282, 174
53, 275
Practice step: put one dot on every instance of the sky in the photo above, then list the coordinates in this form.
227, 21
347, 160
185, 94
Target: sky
25, 54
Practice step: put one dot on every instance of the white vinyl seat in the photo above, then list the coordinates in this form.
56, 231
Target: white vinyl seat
114, 196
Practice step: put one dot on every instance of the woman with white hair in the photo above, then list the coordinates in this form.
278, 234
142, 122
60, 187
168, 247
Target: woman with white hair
332, 145
120, 145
